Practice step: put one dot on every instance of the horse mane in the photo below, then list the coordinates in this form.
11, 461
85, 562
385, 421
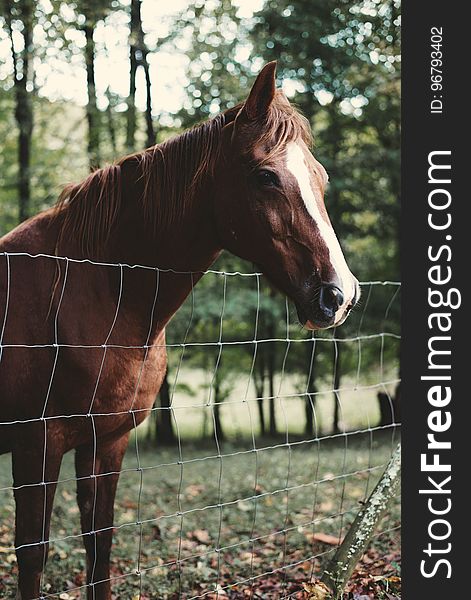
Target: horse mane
169, 174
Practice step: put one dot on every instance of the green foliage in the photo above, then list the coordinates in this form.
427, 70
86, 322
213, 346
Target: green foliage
216, 76
8, 165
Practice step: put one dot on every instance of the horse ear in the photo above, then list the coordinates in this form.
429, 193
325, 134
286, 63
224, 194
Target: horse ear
262, 92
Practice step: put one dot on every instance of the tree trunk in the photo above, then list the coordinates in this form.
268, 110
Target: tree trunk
310, 401
151, 136
390, 407
271, 389
271, 359
165, 435
385, 410
218, 399
143, 52
259, 376
93, 114
397, 404
138, 55
337, 381
22, 63
110, 123
218, 430
131, 102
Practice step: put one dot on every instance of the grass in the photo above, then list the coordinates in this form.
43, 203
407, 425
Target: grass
358, 404
243, 515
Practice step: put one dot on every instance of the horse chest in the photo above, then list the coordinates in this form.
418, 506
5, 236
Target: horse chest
136, 387
119, 388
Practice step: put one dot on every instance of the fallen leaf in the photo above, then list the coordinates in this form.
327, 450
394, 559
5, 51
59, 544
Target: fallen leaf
200, 535
325, 538
194, 490
317, 590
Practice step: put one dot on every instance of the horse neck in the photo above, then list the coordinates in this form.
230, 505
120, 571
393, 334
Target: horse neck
180, 251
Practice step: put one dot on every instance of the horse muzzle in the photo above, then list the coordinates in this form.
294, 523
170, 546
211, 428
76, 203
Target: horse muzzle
328, 305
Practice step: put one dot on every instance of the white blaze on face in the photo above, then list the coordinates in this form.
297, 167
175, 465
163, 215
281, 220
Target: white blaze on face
296, 164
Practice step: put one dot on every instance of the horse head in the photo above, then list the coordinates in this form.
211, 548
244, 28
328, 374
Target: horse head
270, 206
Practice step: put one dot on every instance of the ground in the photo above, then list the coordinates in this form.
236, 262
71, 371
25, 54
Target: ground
248, 524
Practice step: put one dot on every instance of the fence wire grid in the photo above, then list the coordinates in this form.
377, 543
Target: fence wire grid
276, 436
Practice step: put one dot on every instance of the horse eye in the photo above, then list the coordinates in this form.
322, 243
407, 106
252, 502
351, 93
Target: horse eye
266, 178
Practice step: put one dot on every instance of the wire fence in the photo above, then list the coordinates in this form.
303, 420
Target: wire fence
276, 437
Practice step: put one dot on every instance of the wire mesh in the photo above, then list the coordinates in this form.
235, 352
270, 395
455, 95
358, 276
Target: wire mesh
278, 436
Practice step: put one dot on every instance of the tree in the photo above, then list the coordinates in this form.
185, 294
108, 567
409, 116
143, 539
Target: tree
93, 114
131, 99
259, 377
337, 361
217, 78
310, 400
92, 12
19, 18
165, 435
138, 56
110, 121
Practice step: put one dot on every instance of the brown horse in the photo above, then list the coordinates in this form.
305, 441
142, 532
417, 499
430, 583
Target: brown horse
82, 337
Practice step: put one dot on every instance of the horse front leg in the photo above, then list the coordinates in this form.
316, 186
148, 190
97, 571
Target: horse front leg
97, 471
35, 472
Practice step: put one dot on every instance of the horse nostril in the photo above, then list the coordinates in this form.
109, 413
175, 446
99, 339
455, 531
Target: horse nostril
331, 299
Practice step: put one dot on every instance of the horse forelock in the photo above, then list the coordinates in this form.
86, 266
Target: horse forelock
282, 124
